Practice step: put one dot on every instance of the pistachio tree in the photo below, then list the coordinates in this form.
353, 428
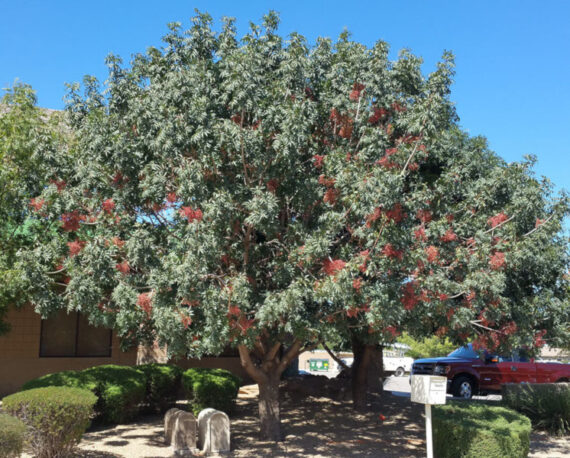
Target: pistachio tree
264, 194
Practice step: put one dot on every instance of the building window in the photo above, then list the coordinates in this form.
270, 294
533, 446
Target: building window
71, 335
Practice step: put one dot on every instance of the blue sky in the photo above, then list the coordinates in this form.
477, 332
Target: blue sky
513, 57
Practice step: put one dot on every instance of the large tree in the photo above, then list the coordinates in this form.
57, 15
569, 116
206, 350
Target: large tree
266, 194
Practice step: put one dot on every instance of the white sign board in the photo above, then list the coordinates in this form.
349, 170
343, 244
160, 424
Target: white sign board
429, 389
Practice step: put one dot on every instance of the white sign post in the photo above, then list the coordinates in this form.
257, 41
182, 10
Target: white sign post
429, 390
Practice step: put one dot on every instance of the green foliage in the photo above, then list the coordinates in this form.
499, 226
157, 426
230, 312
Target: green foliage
215, 388
28, 137
56, 417
120, 390
12, 436
546, 404
225, 191
162, 385
476, 430
427, 347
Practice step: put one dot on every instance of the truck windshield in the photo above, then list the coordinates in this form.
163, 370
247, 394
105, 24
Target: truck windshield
464, 352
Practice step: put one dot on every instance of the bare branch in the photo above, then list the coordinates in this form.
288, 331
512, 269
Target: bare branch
539, 226
499, 225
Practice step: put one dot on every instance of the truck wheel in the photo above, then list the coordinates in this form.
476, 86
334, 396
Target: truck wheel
399, 372
462, 387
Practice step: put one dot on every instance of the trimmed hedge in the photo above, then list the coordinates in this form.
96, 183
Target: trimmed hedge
473, 430
216, 388
546, 404
162, 385
119, 389
12, 436
56, 417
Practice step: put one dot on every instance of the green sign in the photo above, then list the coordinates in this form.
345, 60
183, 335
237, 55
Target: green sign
319, 365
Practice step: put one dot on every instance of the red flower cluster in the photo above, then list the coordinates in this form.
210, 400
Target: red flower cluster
509, 328
420, 234
186, 321
409, 299
272, 185
318, 161
234, 310
357, 284
144, 301
432, 253
245, 324
75, 247
442, 297
397, 107
538, 338
449, 236
37, 204
356, 91
538, 222
119, 179
59, 184
331, 195
191, 214
391, 252
497, 260
328, 182
171, 197
424, 216
332, 267
377, 115
396, 214
373, 216
123, 267
70, 221
386, 162
343, 122
108, 206
392, 330
494, 221
118, 242
352, 312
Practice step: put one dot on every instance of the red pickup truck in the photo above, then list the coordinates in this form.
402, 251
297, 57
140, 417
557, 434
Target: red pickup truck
470, 373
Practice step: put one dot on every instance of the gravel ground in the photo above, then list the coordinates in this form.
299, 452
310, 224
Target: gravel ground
314, 428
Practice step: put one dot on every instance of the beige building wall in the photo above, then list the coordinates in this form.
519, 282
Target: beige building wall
20, 350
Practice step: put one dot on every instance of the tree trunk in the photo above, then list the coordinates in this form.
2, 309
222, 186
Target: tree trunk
362, 355
267, 373
376, 371
269, 409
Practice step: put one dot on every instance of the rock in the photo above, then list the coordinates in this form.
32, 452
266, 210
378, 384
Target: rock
169, 420
180, 430
213, 431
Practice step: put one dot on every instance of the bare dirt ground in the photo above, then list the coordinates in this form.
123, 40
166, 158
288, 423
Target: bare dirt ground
314, 427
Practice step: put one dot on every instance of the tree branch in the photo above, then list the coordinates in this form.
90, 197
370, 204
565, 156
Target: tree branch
272, 353
293, 352
539, 226
339, 361
254, 372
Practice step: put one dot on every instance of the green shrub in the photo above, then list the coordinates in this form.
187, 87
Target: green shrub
56, 417
216, 388
162, 385
546, 404
120, 390
12, 435
473, 430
